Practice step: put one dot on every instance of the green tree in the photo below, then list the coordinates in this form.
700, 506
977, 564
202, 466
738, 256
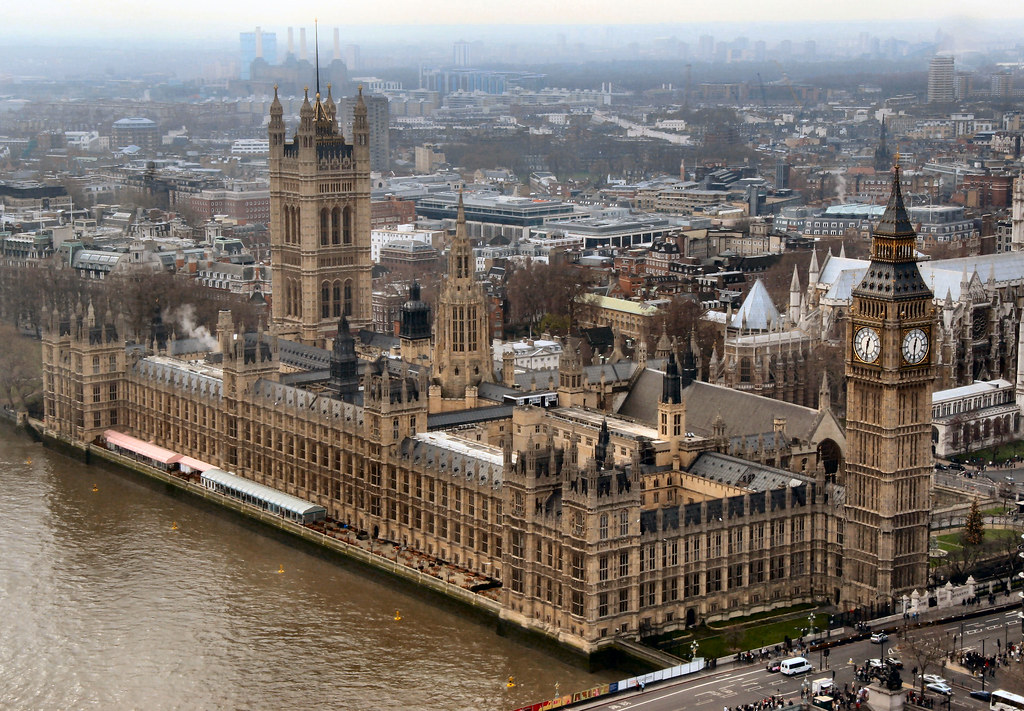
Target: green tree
974, 528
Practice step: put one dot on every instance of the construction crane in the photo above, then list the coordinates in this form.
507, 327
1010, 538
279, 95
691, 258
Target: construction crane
792, 91
764, 96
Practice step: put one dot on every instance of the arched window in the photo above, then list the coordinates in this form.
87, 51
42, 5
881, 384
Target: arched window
348, 297
325, 226
336, 300
297, 226
286, 218
346, 225
336, 226
325, 300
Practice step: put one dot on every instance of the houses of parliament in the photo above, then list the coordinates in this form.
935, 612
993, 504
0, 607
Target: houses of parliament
675, 502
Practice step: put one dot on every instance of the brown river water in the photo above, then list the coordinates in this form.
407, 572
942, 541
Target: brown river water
104, 605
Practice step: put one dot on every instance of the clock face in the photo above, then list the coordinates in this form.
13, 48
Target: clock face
915, 346
866, 344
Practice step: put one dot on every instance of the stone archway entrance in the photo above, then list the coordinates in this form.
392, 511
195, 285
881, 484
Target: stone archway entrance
830, 456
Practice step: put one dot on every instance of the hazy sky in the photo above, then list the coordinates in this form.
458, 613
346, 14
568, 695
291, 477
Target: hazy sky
208, 18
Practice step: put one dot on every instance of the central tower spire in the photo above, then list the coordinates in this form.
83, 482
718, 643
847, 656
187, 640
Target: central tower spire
462, 348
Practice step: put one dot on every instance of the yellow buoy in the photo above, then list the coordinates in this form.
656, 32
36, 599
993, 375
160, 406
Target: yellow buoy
510, 683
95, 488
174, 526
398, 615
280, 569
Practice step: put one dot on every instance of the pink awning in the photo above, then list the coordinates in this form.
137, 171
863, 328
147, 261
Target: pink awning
143, 449
194, 464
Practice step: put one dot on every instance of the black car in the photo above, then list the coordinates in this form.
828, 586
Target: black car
773, 666
981, 694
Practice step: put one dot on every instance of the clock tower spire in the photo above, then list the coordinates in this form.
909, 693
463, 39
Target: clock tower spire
889, 373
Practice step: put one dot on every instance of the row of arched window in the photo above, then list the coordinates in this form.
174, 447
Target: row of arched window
335, 225
335, 299
292, 298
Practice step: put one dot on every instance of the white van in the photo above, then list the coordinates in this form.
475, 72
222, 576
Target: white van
795, 665
821, 687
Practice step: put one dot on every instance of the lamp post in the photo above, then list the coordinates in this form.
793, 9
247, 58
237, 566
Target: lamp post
694, 645
1020, 615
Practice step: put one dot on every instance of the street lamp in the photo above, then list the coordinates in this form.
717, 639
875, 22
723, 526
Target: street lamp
694, 645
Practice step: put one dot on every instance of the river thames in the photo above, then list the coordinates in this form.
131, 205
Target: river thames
106, 605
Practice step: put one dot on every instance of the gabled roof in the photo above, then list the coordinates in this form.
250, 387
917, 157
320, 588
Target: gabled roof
743, 413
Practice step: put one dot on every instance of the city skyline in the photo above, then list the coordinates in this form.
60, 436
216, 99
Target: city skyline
201, 20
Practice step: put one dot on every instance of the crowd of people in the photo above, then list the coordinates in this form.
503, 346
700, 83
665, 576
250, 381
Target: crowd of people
766, 704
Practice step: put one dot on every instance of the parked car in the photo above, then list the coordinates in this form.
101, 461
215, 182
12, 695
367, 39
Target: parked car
873, 663
956, 465
879, 637
934, 679
940, 467
939, 688
981, 694
773, 665
895, 662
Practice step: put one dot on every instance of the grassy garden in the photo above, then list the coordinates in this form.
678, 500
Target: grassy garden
746, 633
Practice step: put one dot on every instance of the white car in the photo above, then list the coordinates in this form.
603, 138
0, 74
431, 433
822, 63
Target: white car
874, 663
934, 679
879, 637
939, 688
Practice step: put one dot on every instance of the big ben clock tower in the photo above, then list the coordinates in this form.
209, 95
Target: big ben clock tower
889, 374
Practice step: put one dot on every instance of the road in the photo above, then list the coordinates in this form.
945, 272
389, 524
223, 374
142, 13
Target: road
711, 691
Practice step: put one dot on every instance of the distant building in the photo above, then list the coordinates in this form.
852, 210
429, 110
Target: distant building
241, 205
256, 45
975, 416
135, 131
391, 213
379, 118
462, 54
381, 238
409, 253
941, 80
250, 146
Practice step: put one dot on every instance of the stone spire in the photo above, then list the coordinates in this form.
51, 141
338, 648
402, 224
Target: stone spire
794, 297
824, 394
1020, 366
664, 347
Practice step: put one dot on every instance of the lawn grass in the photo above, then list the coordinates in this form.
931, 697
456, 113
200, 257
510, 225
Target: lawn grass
714, 643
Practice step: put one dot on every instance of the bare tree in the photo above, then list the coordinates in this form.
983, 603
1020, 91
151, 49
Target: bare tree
923, 649
21, 373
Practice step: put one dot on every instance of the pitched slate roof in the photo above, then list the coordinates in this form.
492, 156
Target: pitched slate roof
744, 413
749, 475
